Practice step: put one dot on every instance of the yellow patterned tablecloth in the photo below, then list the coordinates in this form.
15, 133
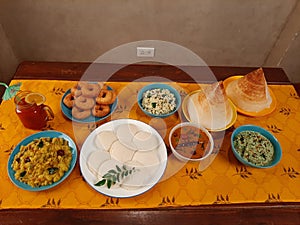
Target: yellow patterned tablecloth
226, 181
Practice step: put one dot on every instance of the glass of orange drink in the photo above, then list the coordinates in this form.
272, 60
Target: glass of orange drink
32, 111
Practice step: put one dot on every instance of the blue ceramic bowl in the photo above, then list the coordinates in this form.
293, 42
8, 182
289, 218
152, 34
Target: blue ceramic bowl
160, 86
268, 135
91, 119
26, 141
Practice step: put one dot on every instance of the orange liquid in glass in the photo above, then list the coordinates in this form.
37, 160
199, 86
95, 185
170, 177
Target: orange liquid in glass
33, 116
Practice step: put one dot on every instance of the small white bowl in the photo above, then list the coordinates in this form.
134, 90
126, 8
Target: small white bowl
208, 152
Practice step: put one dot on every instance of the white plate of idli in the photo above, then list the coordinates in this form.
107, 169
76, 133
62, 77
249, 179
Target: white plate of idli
123, 158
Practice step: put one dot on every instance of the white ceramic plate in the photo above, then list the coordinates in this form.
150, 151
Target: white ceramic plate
153, 175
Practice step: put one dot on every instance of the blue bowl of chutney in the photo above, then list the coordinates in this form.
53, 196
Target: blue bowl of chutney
160, 86
236, 136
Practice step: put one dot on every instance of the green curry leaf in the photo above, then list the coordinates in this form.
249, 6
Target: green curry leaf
114, 176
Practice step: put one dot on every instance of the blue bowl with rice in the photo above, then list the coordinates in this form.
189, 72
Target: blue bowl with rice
159, 100
256, 147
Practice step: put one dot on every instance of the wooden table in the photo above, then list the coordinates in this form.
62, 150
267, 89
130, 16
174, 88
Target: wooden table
266, 213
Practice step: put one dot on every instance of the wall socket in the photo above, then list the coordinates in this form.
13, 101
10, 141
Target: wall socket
145, 52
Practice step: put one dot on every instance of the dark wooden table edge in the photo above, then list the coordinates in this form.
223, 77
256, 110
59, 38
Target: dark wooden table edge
75, 70
250, 213
297, 87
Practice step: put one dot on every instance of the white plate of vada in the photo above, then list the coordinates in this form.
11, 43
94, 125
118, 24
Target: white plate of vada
88, 102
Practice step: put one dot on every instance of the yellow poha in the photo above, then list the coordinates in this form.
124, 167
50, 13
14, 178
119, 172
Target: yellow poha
43, 161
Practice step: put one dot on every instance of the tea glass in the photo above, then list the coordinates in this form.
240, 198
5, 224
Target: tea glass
32, 115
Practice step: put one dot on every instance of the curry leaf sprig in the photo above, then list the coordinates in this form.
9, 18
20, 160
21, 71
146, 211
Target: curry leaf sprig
114, 176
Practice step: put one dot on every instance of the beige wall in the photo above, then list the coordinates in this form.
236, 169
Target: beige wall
233, 32
8, 60
286, 51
